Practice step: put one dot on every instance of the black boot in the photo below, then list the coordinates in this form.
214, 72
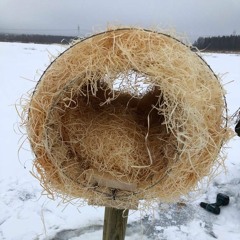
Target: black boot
222, 200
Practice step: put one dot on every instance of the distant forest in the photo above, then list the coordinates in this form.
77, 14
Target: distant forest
35, 38
223, 43
220, 43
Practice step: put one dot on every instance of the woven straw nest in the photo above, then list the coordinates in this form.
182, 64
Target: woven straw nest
124, 115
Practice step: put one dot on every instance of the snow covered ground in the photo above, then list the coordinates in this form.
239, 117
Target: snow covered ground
26, 215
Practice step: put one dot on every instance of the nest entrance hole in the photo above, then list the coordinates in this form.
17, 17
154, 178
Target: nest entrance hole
106, 123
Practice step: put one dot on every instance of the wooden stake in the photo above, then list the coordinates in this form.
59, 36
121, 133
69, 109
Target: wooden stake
115, 223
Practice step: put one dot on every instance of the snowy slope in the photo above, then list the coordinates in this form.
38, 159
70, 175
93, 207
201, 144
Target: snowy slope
26, 214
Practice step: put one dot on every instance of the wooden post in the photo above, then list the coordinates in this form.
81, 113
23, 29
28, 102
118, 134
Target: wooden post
115, 223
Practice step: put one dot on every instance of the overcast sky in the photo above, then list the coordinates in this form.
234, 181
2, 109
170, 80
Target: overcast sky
191, 17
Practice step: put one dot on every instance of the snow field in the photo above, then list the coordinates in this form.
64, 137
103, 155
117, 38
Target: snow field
26, 214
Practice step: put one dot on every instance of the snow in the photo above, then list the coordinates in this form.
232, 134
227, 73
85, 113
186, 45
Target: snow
27, 214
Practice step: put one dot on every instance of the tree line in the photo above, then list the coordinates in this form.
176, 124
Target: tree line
35, 38
220, 43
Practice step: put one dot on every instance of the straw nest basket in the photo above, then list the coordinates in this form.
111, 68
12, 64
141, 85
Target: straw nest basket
124, 115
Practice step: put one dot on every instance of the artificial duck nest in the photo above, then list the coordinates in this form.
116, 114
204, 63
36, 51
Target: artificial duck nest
124, 115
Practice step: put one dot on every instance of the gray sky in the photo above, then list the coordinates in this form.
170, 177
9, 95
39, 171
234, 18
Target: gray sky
191, 17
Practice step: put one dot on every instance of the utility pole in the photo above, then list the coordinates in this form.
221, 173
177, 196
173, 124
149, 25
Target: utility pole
78, 28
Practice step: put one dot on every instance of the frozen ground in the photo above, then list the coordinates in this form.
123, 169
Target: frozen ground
27, 215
